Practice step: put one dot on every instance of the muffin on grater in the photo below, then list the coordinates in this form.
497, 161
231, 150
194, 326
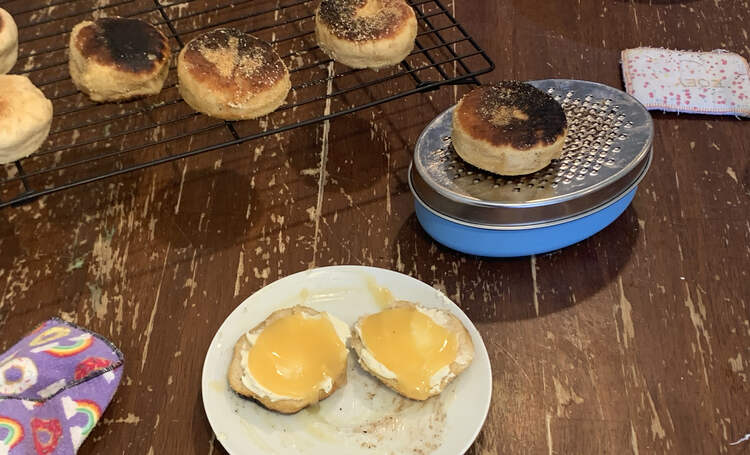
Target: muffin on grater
509, 128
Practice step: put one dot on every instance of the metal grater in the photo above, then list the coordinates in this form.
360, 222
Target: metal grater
606, 153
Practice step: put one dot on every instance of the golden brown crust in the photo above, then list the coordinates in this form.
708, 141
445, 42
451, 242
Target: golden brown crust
511, 113
364, 20
235, 372
453, 324
130, 45
231, 61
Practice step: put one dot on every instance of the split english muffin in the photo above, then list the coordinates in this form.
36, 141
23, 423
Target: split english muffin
294, 358
416, 351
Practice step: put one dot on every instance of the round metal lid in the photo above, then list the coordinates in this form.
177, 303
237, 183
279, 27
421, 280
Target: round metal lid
609, 139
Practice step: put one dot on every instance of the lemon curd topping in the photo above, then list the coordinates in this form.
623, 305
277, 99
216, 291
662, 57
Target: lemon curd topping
296, 355
410, 344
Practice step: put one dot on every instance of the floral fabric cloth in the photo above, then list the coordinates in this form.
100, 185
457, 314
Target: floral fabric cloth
715, 82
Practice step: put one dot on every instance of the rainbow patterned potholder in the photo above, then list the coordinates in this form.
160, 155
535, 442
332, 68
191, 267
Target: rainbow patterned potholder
716, 82
54, 385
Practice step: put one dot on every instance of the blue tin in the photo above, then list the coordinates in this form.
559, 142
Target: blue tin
607, 153
519, 242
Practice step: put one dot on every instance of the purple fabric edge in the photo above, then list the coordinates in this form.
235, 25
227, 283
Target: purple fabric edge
120, 362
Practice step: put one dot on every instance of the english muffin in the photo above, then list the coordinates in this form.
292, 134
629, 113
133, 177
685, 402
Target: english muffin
116, 59
414, 350
366, 33
231, 75
8, 42
294, 358
509, 128
25, 118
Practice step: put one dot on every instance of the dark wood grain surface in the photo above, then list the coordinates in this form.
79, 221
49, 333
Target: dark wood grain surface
636, 340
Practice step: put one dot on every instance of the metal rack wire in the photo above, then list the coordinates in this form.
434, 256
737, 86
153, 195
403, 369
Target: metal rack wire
90, 142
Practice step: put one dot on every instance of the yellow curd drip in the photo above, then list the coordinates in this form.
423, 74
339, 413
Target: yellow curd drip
382, 296
295, 354
411, 345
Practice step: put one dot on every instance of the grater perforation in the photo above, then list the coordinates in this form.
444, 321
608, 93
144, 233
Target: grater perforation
606, 150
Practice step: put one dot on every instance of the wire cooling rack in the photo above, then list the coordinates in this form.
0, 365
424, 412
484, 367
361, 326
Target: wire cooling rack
90, 142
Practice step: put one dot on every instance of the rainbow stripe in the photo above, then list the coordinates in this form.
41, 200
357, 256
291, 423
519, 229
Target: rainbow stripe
14, 432
81, 344
38, 328
92, 412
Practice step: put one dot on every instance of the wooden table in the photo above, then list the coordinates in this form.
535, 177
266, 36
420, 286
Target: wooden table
636, 340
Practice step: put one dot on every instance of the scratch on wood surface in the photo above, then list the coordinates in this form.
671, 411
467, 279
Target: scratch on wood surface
548, 420
258, 151
732, 174
104, 256
131, 419
388, 183
150, 198
99, 301
666, 408
211, 443
190, 282
741, 440
262, 274
565, 397
657, 430
105, 262
150, 326
590, 368
399, 263
182, 185
628, 331
635, 13
737, 366
323, 162
633, 439
240, 273
5, 289
518, 365
534, 283
697, 317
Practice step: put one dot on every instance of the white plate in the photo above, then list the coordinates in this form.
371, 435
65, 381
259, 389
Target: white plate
364, 416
